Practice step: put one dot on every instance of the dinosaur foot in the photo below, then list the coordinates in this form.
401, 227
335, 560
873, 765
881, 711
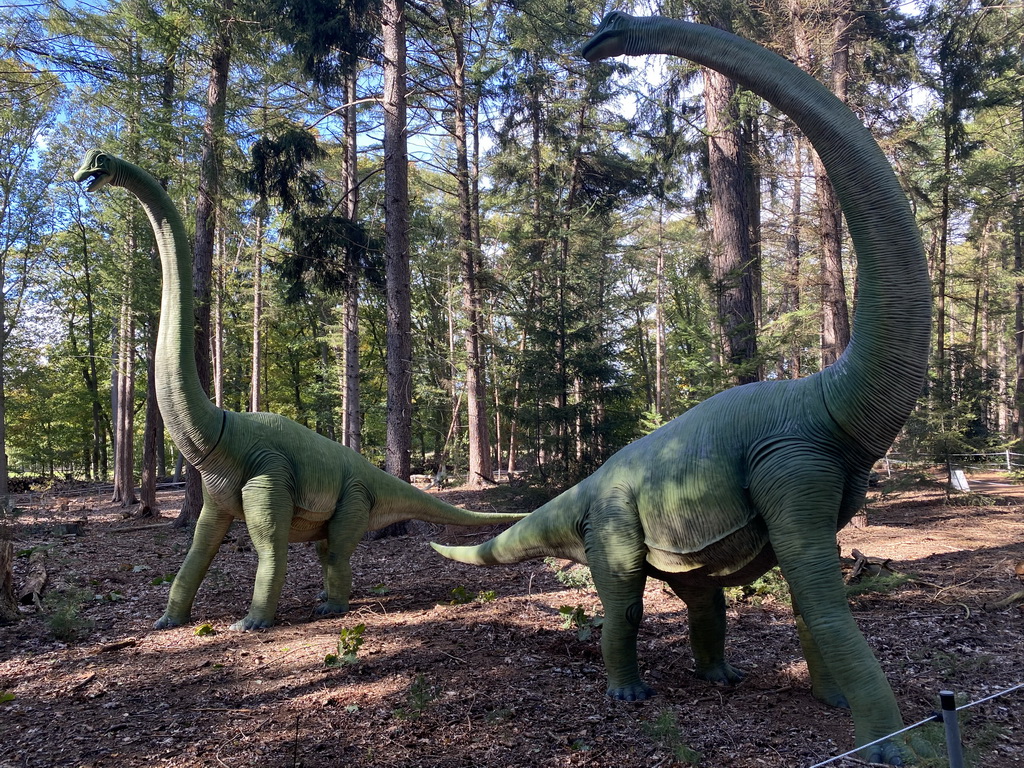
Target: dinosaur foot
832, 698
720, 673
251, 622
886, 753
330, 609
167, 621
637, 691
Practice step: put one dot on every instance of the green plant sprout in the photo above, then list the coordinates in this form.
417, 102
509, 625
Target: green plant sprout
421, 693
575, 617
573, 577
350, 640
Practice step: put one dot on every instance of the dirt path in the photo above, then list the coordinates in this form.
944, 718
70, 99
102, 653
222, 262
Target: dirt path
496, 681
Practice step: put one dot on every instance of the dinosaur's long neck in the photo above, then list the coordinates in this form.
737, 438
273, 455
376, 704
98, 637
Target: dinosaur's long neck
873, 387
193, 421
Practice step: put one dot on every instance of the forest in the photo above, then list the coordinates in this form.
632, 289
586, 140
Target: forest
431, 231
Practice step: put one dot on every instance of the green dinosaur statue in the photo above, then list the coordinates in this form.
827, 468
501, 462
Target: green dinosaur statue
285, 481
764, 473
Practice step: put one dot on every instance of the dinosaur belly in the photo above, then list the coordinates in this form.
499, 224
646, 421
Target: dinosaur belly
305, 529
721, 558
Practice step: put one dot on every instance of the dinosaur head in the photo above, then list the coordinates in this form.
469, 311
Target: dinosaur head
97, 170
610, 39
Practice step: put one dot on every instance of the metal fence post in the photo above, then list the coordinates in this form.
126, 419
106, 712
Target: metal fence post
952, 725
1008, 467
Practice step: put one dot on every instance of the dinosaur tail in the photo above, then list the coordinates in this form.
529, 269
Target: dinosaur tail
396, 500
555, 530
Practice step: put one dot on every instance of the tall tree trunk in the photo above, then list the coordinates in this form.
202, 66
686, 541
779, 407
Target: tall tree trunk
480, 471
124, 415
835, 326
256, 368
791, 287
732, 267
398, 443
206, 210
1017, 235
153, 432
351, 420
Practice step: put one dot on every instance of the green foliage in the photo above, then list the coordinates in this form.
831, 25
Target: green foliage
650, 420
879, 584
6, 697
573, 577
205, 630
350, 640
462, 596
770, 586
64, 614
167, 578
665, 730
421, 694
576, 617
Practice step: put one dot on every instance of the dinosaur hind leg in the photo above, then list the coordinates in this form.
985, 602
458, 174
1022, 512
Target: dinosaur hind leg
344, 531
616, 553
705, 613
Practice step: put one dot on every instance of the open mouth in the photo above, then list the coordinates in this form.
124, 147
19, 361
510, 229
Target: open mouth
94, 178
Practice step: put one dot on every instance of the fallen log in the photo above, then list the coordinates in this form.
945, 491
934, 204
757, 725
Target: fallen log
1006, 602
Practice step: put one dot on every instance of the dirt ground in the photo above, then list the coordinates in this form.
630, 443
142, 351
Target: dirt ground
495, 681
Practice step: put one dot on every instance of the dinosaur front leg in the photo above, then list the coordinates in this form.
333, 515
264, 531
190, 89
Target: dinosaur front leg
344, 531
705, 613
268, 505
211, 528
616, 553
804, 541
823, 685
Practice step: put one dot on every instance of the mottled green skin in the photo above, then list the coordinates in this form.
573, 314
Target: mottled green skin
285, 481
764, 473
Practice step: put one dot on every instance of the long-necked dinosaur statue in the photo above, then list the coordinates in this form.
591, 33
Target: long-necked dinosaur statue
766, 472
285, 481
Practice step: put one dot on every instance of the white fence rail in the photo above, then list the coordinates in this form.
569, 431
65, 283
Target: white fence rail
1004, 460
948, 717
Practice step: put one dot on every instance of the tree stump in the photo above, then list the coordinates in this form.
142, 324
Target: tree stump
35, 582
8, 605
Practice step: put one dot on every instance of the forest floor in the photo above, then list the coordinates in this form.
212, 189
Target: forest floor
465, 666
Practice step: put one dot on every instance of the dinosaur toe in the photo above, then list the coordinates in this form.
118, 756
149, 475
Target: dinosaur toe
637, 691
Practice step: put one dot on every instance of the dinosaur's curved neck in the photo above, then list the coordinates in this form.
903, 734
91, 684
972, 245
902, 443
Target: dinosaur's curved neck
193, 421
874, 386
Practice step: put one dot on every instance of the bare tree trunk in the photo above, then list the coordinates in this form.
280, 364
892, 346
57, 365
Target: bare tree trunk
124, 432
206, 208
153, 432
659, 315
732, 265
256, 369
791, 288
476, 376
351, 420
217, 313
396, 190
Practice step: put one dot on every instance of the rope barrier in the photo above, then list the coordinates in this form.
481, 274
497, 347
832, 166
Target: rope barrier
935, 718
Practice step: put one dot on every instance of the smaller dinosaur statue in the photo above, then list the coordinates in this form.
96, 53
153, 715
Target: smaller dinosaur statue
286, 482
764, 473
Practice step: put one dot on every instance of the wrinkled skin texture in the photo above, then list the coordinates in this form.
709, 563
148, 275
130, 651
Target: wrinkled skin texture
285, 481
764, 473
